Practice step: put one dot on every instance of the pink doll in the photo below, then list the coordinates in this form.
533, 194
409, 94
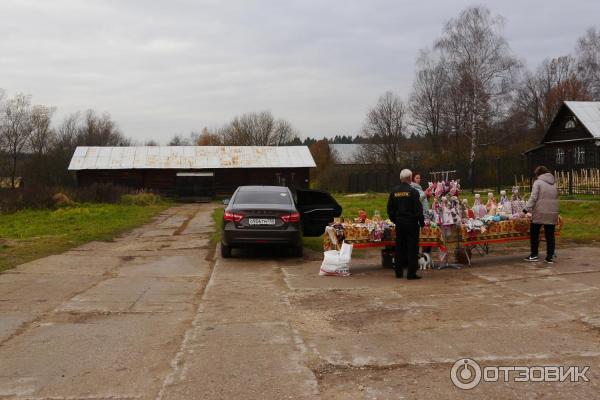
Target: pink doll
479, 209
454, 188
439, 189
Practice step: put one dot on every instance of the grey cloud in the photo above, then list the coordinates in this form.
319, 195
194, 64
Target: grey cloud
161, 67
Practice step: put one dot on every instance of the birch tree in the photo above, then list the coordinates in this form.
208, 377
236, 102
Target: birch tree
481, 70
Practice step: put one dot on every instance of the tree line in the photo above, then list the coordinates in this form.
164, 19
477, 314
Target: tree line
30, 147
472, 99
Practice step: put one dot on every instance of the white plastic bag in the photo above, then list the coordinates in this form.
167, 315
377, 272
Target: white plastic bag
337, 263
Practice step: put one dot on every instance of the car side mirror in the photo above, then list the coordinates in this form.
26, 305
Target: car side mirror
226, 202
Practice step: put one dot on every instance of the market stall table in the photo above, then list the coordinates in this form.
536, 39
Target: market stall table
442, 238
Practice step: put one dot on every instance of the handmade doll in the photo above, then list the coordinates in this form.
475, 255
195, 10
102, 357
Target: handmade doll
467, 213
455, 210
478, 209
362, 216
436, 210
491, 204
517, 203
454, 188
429, 191
505, 207
439, 189
446, 212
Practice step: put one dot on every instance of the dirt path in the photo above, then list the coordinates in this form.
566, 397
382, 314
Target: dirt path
156, 315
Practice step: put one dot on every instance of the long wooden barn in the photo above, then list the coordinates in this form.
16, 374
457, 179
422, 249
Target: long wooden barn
193, 171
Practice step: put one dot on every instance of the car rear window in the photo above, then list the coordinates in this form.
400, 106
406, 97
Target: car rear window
256, 197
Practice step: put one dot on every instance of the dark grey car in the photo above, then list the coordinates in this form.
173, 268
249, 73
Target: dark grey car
273, 215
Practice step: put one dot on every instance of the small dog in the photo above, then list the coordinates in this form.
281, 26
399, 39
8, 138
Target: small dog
425, 261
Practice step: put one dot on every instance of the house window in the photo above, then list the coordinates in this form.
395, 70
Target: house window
560, 156
570, 124
579, 155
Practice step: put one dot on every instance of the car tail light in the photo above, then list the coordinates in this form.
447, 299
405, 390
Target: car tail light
229, 216
293, 217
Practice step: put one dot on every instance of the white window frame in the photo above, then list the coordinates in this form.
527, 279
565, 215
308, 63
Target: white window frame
559, 156
579, 155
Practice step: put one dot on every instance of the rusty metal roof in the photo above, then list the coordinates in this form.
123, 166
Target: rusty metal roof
191, 157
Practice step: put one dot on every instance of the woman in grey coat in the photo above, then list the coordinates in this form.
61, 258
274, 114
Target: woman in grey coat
543, 205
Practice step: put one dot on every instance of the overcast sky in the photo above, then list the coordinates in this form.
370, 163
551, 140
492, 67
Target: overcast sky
165, 67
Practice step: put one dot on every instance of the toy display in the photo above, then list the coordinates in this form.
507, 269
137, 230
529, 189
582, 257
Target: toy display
449, 221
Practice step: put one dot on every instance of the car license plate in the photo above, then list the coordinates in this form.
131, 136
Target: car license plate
261, 221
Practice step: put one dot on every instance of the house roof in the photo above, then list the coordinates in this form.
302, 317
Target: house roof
588, 113
191, 157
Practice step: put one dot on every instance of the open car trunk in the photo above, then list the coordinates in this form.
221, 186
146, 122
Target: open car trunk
317, 209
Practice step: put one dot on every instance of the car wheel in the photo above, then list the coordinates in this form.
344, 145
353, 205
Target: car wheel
225, 251
298, 251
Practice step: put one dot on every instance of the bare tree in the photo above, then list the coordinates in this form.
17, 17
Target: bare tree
179, 140
542, 93
385, 131
16, 128
258, 129
100, 131
588, 61
41, 138
428, 100
481, 68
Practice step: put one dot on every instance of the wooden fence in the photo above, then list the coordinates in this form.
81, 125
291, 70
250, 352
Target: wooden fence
583, 181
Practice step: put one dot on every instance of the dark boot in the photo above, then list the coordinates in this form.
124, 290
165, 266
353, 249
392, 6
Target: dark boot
399, 273
413, 277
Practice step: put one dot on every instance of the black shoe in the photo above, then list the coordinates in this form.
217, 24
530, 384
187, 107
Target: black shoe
549, 261
413, 277
532, 258
399, 275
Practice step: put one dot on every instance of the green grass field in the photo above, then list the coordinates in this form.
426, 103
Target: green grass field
30, 234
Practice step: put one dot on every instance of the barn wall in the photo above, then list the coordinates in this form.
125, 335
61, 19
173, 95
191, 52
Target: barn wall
226, 180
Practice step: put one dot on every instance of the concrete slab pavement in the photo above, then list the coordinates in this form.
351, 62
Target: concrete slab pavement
157, 315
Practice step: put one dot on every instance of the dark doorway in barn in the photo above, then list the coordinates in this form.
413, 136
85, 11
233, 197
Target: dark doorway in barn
196, 186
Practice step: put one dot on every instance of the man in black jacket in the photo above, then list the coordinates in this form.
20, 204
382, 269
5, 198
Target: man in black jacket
406, 211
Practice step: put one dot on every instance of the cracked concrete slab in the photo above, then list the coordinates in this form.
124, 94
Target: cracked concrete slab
104, 319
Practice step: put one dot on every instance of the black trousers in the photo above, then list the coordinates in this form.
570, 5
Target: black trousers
535, 239
407, 248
